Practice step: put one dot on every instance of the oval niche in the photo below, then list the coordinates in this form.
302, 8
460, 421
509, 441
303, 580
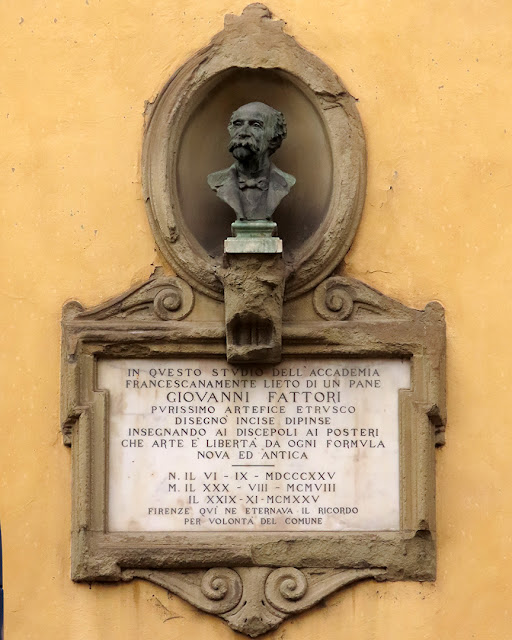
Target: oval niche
305, 153
186, 139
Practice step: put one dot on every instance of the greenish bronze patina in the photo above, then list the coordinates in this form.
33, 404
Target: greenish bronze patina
253, 186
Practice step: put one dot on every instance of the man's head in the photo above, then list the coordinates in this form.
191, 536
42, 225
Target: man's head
255, 129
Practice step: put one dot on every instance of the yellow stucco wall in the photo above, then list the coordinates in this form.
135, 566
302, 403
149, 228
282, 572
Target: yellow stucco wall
433, 82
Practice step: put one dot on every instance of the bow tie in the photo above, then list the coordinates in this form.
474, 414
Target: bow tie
253, 183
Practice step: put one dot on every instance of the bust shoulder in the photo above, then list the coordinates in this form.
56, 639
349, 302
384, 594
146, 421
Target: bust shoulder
286, 179
219, 178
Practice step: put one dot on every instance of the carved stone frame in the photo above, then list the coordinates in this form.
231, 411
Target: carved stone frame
277, 573
253, 41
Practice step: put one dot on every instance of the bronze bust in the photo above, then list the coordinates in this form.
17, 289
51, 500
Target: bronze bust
253, 186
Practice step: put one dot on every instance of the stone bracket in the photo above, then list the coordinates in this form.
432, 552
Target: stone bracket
253, 302
254, 600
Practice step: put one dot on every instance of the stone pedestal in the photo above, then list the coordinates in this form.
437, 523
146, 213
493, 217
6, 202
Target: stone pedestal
253, 292
255, 236
253, 297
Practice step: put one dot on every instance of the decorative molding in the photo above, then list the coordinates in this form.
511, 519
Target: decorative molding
257, 579
160, 298
254, 600
254, 41
343, 298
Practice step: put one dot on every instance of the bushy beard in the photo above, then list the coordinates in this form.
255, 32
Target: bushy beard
244, 149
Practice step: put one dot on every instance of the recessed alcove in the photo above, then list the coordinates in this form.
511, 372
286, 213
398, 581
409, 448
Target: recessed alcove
305, 153
186, 139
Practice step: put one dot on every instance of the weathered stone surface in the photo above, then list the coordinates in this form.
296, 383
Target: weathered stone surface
376, 327
253, 300
269, 596
253, 41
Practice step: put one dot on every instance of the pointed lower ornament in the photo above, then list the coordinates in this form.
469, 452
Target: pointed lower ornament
254, 600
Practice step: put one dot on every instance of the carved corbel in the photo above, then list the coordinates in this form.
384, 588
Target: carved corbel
253, 298
254, 600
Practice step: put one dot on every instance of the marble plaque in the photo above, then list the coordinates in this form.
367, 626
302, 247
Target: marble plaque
200, 445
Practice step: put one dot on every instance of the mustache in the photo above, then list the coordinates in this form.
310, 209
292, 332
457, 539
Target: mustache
245, 143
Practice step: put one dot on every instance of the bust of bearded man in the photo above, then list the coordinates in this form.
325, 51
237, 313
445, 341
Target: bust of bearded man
253, 186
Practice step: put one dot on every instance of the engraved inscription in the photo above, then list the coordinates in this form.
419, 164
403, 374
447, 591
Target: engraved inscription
200, 445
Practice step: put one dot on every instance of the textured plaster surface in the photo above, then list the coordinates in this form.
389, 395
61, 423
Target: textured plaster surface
429, 78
